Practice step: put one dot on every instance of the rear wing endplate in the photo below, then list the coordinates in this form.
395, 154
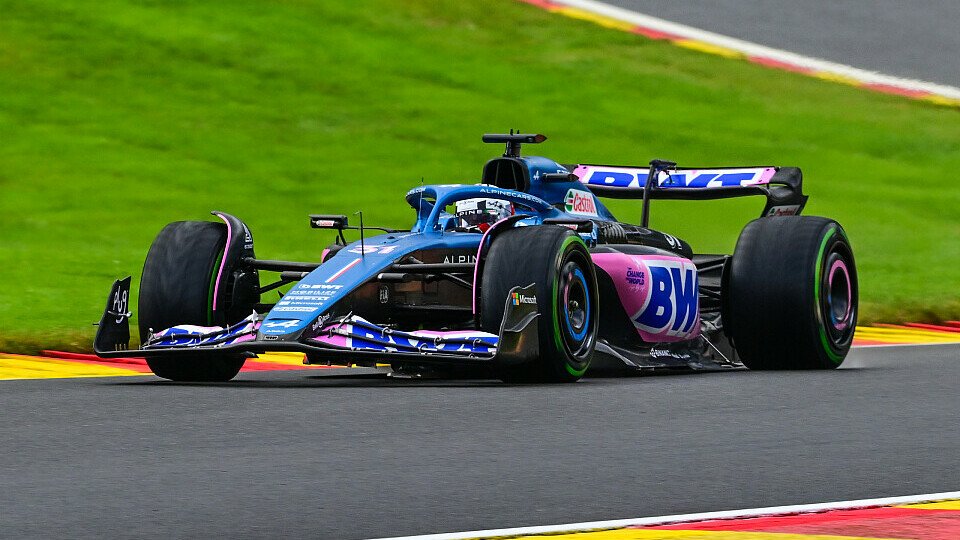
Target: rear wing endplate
782, 186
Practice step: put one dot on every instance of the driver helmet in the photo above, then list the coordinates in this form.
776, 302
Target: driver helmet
480, 214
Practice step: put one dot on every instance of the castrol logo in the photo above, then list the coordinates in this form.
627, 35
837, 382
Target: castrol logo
581, 203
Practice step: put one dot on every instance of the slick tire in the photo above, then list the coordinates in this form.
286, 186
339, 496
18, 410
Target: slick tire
176, 287
791, 297
557, 261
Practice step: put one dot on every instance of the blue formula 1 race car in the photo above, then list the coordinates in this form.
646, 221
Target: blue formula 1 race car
525, 276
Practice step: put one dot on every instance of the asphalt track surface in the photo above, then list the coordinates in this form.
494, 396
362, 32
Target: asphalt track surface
306, 454
915, 39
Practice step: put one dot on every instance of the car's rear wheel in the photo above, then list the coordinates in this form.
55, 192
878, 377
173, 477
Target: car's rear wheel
791, 300
177, 287
557, 261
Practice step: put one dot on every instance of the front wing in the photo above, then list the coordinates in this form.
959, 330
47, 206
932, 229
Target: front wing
343, 340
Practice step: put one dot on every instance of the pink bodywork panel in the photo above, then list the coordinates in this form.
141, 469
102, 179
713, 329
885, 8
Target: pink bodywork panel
632, 278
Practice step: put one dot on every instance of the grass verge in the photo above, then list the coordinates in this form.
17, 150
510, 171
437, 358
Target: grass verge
120, 117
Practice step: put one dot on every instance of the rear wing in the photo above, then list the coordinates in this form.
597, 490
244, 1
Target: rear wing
782, 186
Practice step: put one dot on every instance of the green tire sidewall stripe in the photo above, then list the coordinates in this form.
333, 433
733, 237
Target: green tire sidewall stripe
821, 328
555, 300
213, 286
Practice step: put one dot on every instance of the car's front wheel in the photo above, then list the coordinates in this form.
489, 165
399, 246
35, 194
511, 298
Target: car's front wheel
558, 262
177, 287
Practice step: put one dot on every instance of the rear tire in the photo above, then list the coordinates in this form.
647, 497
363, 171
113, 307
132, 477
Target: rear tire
791, 300
558, 262
177, 287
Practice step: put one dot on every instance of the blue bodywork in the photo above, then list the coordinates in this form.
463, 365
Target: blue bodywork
556, 192
355, 265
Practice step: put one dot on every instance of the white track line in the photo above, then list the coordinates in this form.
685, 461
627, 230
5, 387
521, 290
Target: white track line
663, 520
754, 49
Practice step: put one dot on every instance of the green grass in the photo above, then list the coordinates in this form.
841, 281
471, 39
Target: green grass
118, 117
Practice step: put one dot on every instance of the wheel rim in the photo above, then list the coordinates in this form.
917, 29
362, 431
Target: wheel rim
576, 302
575, 309
838, 295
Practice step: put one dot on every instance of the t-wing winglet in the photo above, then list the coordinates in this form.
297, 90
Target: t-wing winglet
513, 141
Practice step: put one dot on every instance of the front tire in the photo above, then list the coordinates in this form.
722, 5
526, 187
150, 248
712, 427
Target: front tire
558, 262
177, 287
792, 295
